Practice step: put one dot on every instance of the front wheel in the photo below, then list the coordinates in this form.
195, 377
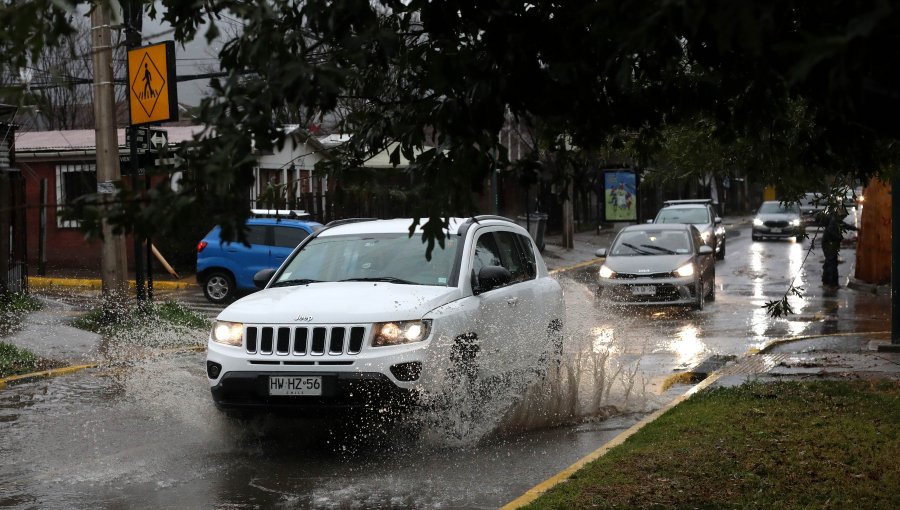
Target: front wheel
699, 291
218, 287
721, 254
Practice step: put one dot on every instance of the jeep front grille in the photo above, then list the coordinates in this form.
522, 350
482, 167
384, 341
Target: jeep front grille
304, 340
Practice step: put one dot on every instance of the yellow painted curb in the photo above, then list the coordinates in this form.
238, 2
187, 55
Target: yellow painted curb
41, 282
46, 373
75, 368
539, 489
535, 492
576, 266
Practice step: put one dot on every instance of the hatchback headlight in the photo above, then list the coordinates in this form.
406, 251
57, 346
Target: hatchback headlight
228, 333
757, 222
685, 270
606, 272
401, 332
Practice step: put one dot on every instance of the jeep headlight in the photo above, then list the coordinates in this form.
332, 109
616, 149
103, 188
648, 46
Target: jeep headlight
757, 222
228, 333
795, 222
685, 270
400, 332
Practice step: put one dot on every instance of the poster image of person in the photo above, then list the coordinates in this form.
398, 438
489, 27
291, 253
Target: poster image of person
620, 196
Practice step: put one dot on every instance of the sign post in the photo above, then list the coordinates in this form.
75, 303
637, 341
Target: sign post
152, 97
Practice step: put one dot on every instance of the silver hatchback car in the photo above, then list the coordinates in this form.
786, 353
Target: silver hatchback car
658, 264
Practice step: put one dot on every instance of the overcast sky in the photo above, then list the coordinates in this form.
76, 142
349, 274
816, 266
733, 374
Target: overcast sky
196, 57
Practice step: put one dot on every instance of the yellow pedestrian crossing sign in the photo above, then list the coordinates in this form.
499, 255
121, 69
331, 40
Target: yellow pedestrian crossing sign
152, 94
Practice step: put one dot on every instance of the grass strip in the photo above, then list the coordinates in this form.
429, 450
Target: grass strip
822, 444
127, 317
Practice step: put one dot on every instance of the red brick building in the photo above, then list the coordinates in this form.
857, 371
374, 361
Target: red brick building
66, 163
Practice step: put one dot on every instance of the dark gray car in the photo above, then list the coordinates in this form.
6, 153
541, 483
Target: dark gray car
658, 264
778, 221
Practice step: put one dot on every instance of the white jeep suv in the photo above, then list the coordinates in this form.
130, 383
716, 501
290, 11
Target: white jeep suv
357, 314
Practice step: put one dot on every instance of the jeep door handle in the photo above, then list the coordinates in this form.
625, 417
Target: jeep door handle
512, 301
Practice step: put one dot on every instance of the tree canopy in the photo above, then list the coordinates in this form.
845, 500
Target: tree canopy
814, 83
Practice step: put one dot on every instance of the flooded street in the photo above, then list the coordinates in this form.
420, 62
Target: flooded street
146, 434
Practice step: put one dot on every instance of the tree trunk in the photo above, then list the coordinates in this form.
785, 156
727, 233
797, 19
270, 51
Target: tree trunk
873, 248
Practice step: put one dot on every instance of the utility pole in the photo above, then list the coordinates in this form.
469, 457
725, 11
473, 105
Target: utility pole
113, 257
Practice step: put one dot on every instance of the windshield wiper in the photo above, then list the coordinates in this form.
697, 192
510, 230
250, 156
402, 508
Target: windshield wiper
389, 279
635, 248
660, 248
296, 281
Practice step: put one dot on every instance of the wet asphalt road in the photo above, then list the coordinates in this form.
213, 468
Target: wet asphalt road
146, 435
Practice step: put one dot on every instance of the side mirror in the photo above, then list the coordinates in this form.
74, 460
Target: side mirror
600, 253
649, 221
705, 250
718, 220
262, 277
491, 277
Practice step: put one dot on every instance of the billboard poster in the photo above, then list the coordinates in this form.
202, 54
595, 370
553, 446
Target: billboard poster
620, 190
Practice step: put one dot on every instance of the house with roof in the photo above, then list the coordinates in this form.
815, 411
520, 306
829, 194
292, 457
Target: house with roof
65, 162
58, 167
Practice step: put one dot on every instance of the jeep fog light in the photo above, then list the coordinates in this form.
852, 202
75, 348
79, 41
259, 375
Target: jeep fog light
228, 333
396, 333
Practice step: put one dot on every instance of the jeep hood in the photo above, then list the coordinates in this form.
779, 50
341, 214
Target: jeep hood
339, 302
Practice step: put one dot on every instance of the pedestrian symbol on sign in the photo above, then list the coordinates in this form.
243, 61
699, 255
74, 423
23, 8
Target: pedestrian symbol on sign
148, 79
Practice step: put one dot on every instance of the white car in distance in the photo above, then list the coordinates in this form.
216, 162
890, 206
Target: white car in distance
357, 316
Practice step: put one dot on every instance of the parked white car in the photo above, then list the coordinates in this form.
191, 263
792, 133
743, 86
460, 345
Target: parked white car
356, 314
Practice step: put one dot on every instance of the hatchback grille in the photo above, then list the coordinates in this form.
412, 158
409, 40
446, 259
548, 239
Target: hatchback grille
631, 276
303, 340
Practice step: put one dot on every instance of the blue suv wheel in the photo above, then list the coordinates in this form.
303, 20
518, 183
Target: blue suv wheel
218, 287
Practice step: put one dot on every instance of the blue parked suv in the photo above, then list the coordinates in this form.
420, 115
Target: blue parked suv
224, 269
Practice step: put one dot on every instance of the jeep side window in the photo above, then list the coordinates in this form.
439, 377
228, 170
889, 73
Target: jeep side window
511, 256
288, 237
528, 253
486, 254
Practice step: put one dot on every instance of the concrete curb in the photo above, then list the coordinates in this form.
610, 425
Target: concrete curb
539, 489
535, 492
41, 282
782, 341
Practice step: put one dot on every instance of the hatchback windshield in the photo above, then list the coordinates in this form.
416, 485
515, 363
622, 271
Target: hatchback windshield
640, 242
395, 258
778, 208
693, 215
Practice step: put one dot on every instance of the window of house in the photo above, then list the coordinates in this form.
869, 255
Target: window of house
73, 181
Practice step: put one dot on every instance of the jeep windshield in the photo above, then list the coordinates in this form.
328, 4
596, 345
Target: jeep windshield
391, 258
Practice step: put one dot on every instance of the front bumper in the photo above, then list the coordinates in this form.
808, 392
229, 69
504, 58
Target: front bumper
388, 374
242, 390
781, 233
649, 291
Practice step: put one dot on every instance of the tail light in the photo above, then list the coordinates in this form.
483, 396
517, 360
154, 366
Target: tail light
200, 246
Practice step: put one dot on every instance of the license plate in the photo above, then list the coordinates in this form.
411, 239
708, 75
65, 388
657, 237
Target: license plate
306, 385
643, 290
776, 230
